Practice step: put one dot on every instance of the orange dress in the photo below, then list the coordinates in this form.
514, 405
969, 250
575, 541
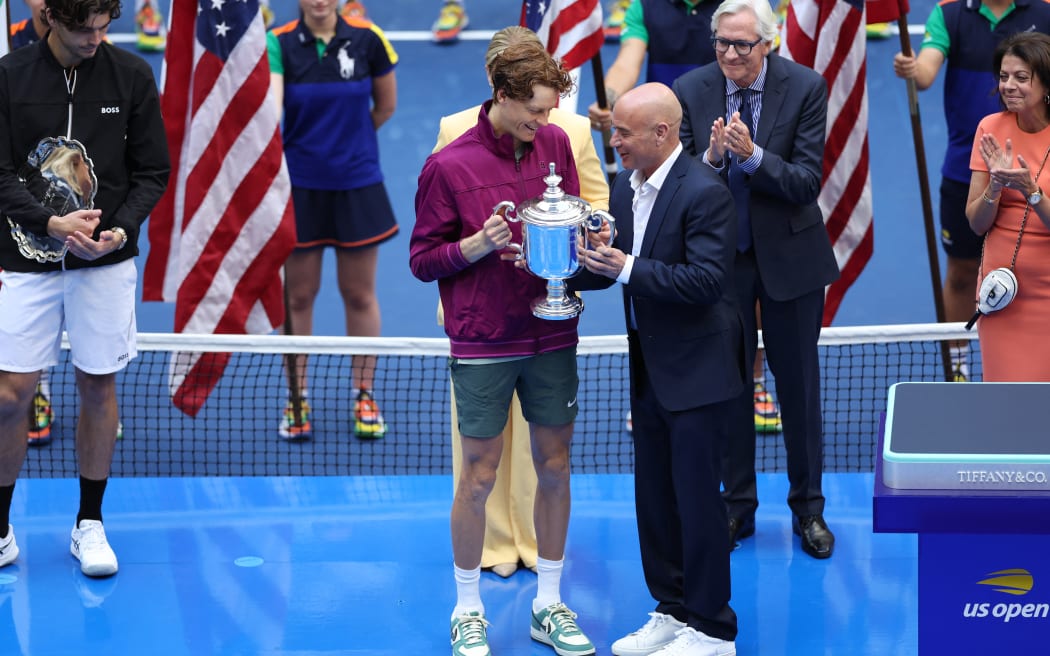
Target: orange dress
1015, 342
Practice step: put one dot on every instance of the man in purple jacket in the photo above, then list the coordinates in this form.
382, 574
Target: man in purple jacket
497, 345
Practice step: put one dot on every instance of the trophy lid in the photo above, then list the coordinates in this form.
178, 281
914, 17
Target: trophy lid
554, 207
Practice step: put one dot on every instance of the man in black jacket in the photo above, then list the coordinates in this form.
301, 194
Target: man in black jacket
83, 160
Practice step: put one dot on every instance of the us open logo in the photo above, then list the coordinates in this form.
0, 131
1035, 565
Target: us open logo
1014, 582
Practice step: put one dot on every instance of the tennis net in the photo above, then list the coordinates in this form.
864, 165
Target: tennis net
235, 433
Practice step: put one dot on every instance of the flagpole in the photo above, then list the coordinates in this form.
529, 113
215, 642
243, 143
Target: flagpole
291, 360
7, 37
603, 103
924, 190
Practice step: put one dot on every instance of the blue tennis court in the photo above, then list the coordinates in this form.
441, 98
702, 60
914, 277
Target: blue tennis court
339, 560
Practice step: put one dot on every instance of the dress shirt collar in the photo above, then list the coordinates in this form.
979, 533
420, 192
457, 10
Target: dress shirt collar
656, 180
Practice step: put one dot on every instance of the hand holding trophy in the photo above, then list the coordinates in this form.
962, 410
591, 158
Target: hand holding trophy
554, 225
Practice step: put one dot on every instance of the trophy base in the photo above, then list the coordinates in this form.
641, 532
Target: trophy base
545, 307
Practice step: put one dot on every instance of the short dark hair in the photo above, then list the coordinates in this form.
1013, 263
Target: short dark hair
1033, 48
74, 13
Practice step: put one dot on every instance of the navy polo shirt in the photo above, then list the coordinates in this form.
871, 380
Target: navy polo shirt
329, 140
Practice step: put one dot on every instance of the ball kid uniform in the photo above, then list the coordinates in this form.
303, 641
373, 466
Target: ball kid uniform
330, 142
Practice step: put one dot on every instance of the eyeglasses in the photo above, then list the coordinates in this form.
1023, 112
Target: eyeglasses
743, 48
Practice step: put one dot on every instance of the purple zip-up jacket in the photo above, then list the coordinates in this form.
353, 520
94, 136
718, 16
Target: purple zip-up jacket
487, 303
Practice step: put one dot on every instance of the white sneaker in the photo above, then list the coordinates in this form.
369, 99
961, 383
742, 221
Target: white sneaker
8, 547
88, 544
657, 633
690, 642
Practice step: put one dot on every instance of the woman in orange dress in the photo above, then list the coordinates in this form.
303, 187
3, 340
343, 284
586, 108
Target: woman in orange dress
1010, 173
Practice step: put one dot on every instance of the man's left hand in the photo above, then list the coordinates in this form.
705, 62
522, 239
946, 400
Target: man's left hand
86, 248
604, 260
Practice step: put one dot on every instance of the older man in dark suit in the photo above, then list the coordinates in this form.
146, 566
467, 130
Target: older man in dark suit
674, 256
760, 120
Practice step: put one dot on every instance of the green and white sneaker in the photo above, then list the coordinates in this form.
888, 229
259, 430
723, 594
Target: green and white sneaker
555, 625
469, 637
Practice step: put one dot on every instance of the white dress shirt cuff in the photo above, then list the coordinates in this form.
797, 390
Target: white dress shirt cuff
625, 273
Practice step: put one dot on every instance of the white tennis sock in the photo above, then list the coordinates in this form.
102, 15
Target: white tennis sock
468, 591
548, 583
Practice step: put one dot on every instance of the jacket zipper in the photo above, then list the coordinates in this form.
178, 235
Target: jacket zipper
71, 85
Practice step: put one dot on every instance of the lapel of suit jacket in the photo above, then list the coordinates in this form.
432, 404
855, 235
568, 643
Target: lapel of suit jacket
620, 200
772, 98
672, 183
714, 103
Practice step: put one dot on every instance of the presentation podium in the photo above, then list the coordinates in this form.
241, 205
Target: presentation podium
966, 466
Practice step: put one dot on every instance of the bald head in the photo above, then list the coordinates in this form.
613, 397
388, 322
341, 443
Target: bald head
646, 119
656, 101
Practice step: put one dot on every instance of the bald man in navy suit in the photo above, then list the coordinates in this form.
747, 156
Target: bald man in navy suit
759, 120
673, 254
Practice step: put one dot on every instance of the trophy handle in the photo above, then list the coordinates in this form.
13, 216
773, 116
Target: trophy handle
594, 223
504, 209
519, 252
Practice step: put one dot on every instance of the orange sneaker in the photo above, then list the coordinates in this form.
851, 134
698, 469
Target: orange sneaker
293, 427
767, 412
149, 28
368, 421
451, 21
41, 416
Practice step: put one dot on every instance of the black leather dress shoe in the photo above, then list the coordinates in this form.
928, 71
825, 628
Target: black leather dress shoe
817, 539
740, 528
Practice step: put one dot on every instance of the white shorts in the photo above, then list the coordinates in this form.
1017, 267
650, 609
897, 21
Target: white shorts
96, 306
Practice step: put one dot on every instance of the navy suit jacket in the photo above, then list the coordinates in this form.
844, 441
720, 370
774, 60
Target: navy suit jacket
688, 331
791, 244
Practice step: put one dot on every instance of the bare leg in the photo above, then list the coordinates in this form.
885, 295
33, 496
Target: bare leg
550, 454
480, 461
303, 279
97, 424
356, 271
16, 396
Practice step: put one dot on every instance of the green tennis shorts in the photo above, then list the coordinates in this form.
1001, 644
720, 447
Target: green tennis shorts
546, 386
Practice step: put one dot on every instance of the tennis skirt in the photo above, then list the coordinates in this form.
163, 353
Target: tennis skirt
353, 218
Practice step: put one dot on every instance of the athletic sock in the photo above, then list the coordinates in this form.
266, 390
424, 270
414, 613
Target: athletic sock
91, 493
548, 583
6, 493
468, 591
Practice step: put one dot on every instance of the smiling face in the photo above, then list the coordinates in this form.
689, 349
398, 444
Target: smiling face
1021, 90
522, 118
741, 27
634, 141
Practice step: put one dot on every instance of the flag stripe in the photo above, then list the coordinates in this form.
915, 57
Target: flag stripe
829, 36
226, 225
571, 30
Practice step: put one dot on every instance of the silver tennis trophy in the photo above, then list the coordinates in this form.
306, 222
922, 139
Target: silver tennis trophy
555, 227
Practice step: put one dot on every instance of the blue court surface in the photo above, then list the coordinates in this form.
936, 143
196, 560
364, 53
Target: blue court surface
362, 564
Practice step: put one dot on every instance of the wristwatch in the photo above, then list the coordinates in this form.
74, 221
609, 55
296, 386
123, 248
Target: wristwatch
123, 236
1036, 197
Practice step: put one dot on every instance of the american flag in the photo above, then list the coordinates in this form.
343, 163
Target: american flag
571, 29
885, 11
829, 36
225, 227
